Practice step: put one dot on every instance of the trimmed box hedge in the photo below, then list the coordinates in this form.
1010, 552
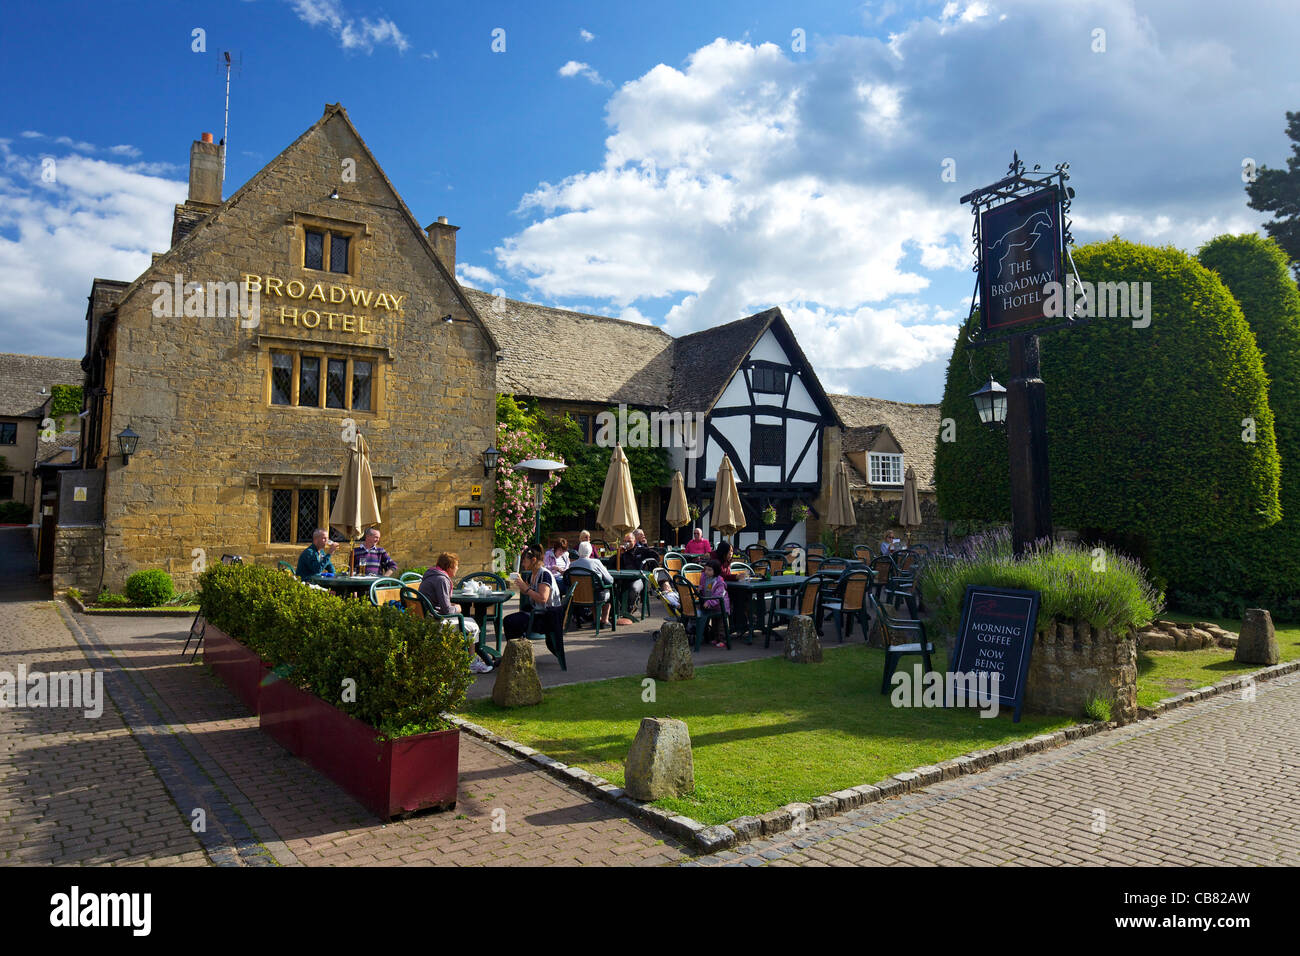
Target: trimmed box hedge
407, 671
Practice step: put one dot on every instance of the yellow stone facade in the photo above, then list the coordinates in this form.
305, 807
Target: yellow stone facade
197, 388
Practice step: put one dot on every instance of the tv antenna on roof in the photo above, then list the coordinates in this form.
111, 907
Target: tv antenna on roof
228, 65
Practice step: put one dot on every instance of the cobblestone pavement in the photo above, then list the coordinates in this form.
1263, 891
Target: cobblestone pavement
1213, 783
124, 788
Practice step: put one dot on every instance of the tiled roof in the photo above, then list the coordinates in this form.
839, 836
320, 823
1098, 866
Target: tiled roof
860, 438
64, 442
916, 428
705, 361
23, 376
558, 354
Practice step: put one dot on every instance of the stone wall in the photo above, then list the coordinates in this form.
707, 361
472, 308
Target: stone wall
877, 512
78, 556
1071, 663
197, 388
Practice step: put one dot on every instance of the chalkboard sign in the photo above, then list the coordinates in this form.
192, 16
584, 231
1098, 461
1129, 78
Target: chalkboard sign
996, 637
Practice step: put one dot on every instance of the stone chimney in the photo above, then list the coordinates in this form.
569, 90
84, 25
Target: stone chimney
443, 238
205, 187
205, 171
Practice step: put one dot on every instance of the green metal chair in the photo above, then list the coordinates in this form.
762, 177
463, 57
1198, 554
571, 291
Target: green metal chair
582, 592
849, 603
863, 552
805, 604
692, 572
413, 602
384, 590
283, 566
694, 614
673, 561
901, 638
548, 623
411, 577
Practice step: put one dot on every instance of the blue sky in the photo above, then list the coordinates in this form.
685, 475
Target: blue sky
686, 163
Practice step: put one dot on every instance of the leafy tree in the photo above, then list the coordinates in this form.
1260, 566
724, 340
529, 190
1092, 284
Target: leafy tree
1145, 425
1278, 191
581, 484
65, 400
1263, 567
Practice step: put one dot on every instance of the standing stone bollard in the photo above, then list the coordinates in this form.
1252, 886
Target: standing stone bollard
517, 683
801, 644
1257, 643
671, 658
659, 763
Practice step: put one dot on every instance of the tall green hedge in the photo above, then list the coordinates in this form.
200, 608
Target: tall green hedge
1144, 424
1263, 566
407, 670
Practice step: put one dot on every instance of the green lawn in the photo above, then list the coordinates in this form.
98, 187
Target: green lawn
1164, 674
763, 733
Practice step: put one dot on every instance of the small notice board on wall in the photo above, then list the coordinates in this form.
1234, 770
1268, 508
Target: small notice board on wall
468, 517
996, 636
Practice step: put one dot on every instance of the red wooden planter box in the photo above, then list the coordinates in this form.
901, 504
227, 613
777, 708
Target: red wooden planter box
239, 668
387, 776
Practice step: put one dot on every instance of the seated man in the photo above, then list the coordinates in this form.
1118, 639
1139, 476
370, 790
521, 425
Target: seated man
370, 559
316, 559
697, 545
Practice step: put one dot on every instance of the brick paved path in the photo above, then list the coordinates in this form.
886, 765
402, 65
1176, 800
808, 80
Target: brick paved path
1214, 783
123, 788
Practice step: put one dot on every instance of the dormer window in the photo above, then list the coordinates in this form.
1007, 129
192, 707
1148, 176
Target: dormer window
884, 469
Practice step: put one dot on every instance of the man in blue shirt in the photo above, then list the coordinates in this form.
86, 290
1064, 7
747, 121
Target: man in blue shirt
316, 559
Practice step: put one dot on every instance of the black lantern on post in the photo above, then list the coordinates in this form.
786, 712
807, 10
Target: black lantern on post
127, 440
490, 458
991, 403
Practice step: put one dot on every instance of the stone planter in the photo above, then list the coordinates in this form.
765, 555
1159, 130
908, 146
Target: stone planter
1072, 662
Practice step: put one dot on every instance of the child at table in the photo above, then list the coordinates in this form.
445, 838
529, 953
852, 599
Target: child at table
713, 593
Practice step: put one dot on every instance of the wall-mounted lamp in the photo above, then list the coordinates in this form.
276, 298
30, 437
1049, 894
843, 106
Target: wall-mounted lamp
448, 318
335, 193
490, 458
127, 441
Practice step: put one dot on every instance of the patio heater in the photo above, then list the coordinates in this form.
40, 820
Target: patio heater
539, 473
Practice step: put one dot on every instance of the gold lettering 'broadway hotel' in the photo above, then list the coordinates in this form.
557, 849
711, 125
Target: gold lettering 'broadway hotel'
307, 304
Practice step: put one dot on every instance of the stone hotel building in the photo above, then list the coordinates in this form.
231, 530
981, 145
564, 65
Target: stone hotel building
311, 303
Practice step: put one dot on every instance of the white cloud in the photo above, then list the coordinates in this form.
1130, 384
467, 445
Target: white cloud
31, 134
574, 68
586, 35
476, 277
96, 218
746, 178
363, 35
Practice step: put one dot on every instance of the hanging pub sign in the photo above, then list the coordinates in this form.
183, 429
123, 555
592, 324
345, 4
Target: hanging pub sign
994, 642
1020, 251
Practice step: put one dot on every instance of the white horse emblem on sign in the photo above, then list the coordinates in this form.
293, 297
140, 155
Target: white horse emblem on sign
1023, 238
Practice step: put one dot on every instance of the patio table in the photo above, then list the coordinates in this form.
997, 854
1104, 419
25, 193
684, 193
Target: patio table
479, 605
482, 603
623, 578
346, 585
749, 587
